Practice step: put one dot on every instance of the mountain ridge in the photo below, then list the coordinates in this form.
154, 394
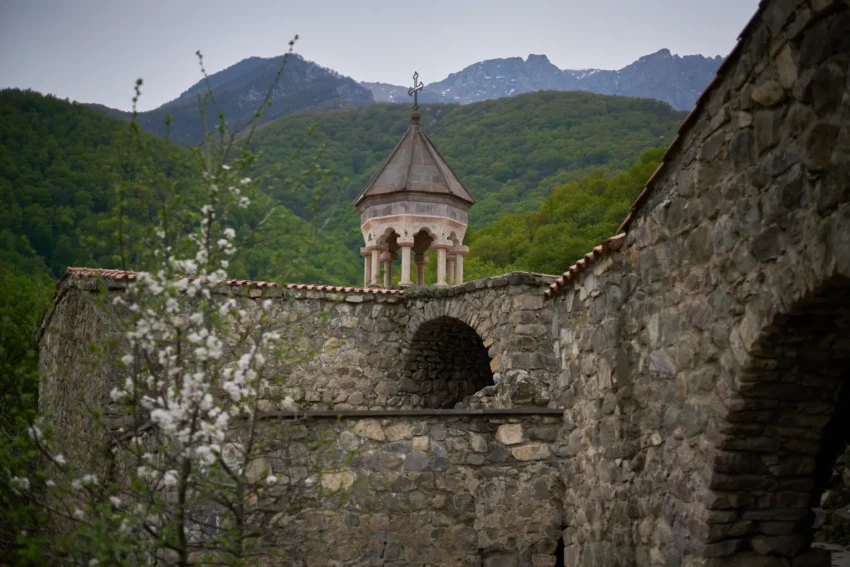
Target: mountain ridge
239, 90
675, 79
306, 86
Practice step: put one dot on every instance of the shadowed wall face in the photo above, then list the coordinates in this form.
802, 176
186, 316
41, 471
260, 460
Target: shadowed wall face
702, 364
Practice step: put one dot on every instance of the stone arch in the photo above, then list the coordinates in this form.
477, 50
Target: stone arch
423, 238
445, 361
783, 419
389, 238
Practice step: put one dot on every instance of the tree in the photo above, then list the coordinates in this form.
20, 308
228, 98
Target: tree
187, 479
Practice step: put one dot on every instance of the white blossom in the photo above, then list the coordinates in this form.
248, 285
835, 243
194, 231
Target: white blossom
170, 478
35, 433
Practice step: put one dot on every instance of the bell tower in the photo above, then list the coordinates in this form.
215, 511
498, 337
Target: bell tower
413, 203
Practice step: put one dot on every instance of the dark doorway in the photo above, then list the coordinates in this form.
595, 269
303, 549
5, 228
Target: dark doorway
445, 362
793, 408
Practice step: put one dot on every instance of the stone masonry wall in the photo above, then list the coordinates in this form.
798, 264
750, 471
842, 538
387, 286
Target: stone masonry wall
351, 350
703, 365
460, 491
480, 493
363, 350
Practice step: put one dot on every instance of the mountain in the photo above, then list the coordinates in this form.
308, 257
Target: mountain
240, 88
661, 75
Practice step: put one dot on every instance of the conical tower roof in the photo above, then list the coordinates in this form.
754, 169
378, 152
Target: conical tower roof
415, 166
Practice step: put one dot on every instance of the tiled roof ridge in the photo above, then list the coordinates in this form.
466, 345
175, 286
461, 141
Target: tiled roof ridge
613, 243
129, 275
675, 145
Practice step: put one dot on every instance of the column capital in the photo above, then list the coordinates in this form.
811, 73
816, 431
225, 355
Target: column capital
442, 244
405, 241
460, 250
372, 247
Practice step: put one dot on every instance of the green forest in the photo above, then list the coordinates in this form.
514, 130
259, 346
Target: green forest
575, 218
62, 167
536, 164
511, 153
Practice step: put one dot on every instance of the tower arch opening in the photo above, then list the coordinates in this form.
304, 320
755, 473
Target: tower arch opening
785, 426
446, 361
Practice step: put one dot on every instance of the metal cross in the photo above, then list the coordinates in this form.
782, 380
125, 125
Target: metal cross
414, 90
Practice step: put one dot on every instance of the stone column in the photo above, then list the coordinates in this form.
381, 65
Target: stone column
441, 267
421, 261
376, 267
387, 258
450, 269
367, 266
459, 253
406, 244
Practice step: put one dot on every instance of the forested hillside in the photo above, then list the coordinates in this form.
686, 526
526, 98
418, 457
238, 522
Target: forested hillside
61, 166
575, 218
240, 88
510, 153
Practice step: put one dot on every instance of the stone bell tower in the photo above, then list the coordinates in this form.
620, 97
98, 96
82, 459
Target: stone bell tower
413, 203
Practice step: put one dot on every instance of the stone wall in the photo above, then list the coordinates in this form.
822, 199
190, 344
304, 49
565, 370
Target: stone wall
460, 491
346, 351
703, 365
352, 350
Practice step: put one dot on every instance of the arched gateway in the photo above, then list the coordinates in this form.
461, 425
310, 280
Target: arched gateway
446, 361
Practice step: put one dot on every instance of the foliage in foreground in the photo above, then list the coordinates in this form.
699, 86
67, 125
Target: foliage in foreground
174, 468
23, 299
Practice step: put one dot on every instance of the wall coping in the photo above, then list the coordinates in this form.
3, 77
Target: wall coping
91, 279
97, 279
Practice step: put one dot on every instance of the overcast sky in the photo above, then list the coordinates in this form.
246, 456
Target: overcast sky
93, 50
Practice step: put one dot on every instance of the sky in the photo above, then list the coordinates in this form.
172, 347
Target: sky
94, 50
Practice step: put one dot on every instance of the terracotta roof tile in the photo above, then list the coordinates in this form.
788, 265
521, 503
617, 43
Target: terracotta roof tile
126, 275
613, 243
